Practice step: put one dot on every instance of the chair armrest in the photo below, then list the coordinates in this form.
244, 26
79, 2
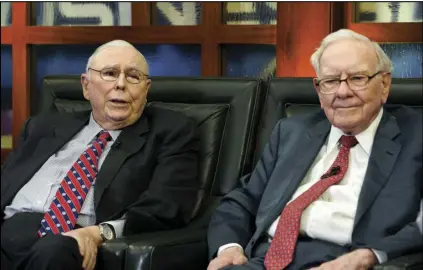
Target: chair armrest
413, 261
112, 254
177, 249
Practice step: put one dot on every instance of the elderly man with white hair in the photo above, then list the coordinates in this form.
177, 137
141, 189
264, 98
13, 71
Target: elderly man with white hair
340, 189
76, 180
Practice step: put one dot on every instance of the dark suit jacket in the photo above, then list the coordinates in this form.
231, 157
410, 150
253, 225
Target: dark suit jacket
150, 173
388, 203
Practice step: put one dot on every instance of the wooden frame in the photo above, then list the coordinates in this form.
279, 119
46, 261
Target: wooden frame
300, 27
384, 32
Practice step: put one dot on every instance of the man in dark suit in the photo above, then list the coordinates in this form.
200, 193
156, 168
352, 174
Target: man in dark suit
340, 189
56, 208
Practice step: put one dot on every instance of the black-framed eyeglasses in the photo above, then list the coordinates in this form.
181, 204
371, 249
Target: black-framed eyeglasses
356, 82
112, 74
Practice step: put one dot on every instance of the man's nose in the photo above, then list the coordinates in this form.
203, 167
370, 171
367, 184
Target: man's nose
344, 89
121, 81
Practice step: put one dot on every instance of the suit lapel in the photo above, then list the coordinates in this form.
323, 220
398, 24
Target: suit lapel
129, 142
382, 159
59, 135
304, 155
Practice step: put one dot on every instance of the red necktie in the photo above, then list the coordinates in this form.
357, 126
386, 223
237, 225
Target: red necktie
281, 250
64, 210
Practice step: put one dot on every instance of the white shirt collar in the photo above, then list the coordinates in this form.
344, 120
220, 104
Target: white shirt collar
365, 138
93, 125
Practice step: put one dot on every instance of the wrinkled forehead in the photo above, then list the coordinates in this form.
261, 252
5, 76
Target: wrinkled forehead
122, 57
349, 56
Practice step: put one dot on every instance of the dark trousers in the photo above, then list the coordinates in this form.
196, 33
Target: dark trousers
22, 248
308, 253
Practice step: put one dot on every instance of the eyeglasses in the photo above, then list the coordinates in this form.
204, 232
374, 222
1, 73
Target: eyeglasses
357, 82
112, 74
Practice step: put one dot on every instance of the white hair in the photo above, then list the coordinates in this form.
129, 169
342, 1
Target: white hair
383, 61
113, 43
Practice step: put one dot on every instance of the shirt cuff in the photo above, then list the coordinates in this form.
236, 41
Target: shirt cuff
228, 246
117, 225
380, 255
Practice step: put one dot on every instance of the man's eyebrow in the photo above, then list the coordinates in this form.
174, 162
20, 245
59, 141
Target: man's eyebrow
132, 68
361, 71
331, 75
111, 66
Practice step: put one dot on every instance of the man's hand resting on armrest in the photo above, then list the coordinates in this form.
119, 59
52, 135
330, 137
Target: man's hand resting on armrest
89, 240
360, 259
229, 256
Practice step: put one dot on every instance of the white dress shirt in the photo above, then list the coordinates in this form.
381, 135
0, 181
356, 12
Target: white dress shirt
331, 217
37, 195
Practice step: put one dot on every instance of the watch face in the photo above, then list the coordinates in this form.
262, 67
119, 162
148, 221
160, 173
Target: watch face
107, 232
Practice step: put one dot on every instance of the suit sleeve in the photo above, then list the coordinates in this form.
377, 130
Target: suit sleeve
234, 219
407, 239
174, 190
24, 134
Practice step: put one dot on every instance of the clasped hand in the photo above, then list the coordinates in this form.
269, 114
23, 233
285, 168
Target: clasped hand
89, 240
360, 259
229, 256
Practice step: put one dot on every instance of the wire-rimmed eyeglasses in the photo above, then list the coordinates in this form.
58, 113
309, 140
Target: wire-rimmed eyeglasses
112, 74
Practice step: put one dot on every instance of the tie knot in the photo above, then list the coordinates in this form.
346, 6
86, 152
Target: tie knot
103, 135
348, 141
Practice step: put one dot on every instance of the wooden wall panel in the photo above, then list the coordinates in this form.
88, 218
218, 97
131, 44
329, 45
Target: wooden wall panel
211, 60
6, 35
301, 26
246, 34
384, 32
140, 13
20, 68
98, 35
389, 32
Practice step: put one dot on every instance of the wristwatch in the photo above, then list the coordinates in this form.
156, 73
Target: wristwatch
107, 232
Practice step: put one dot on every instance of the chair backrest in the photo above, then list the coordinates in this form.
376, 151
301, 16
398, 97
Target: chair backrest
290, 96
225, 109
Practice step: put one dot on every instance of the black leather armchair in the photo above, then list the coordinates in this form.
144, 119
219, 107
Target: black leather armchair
290, 96
226, 111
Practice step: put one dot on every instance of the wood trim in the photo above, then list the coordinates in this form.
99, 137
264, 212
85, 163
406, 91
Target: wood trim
300, 29
4, 153
6, 35
384, 32
246, 34
98, 35
20, 68
211, 52
141, 13
20, 14
20, 87
192, 34
337, 16
390, 32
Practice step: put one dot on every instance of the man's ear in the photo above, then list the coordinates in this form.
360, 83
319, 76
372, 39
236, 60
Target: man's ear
84, 83
316, 87
386, 84
147, 85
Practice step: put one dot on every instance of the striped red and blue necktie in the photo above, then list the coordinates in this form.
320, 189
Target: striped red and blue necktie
67, 203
